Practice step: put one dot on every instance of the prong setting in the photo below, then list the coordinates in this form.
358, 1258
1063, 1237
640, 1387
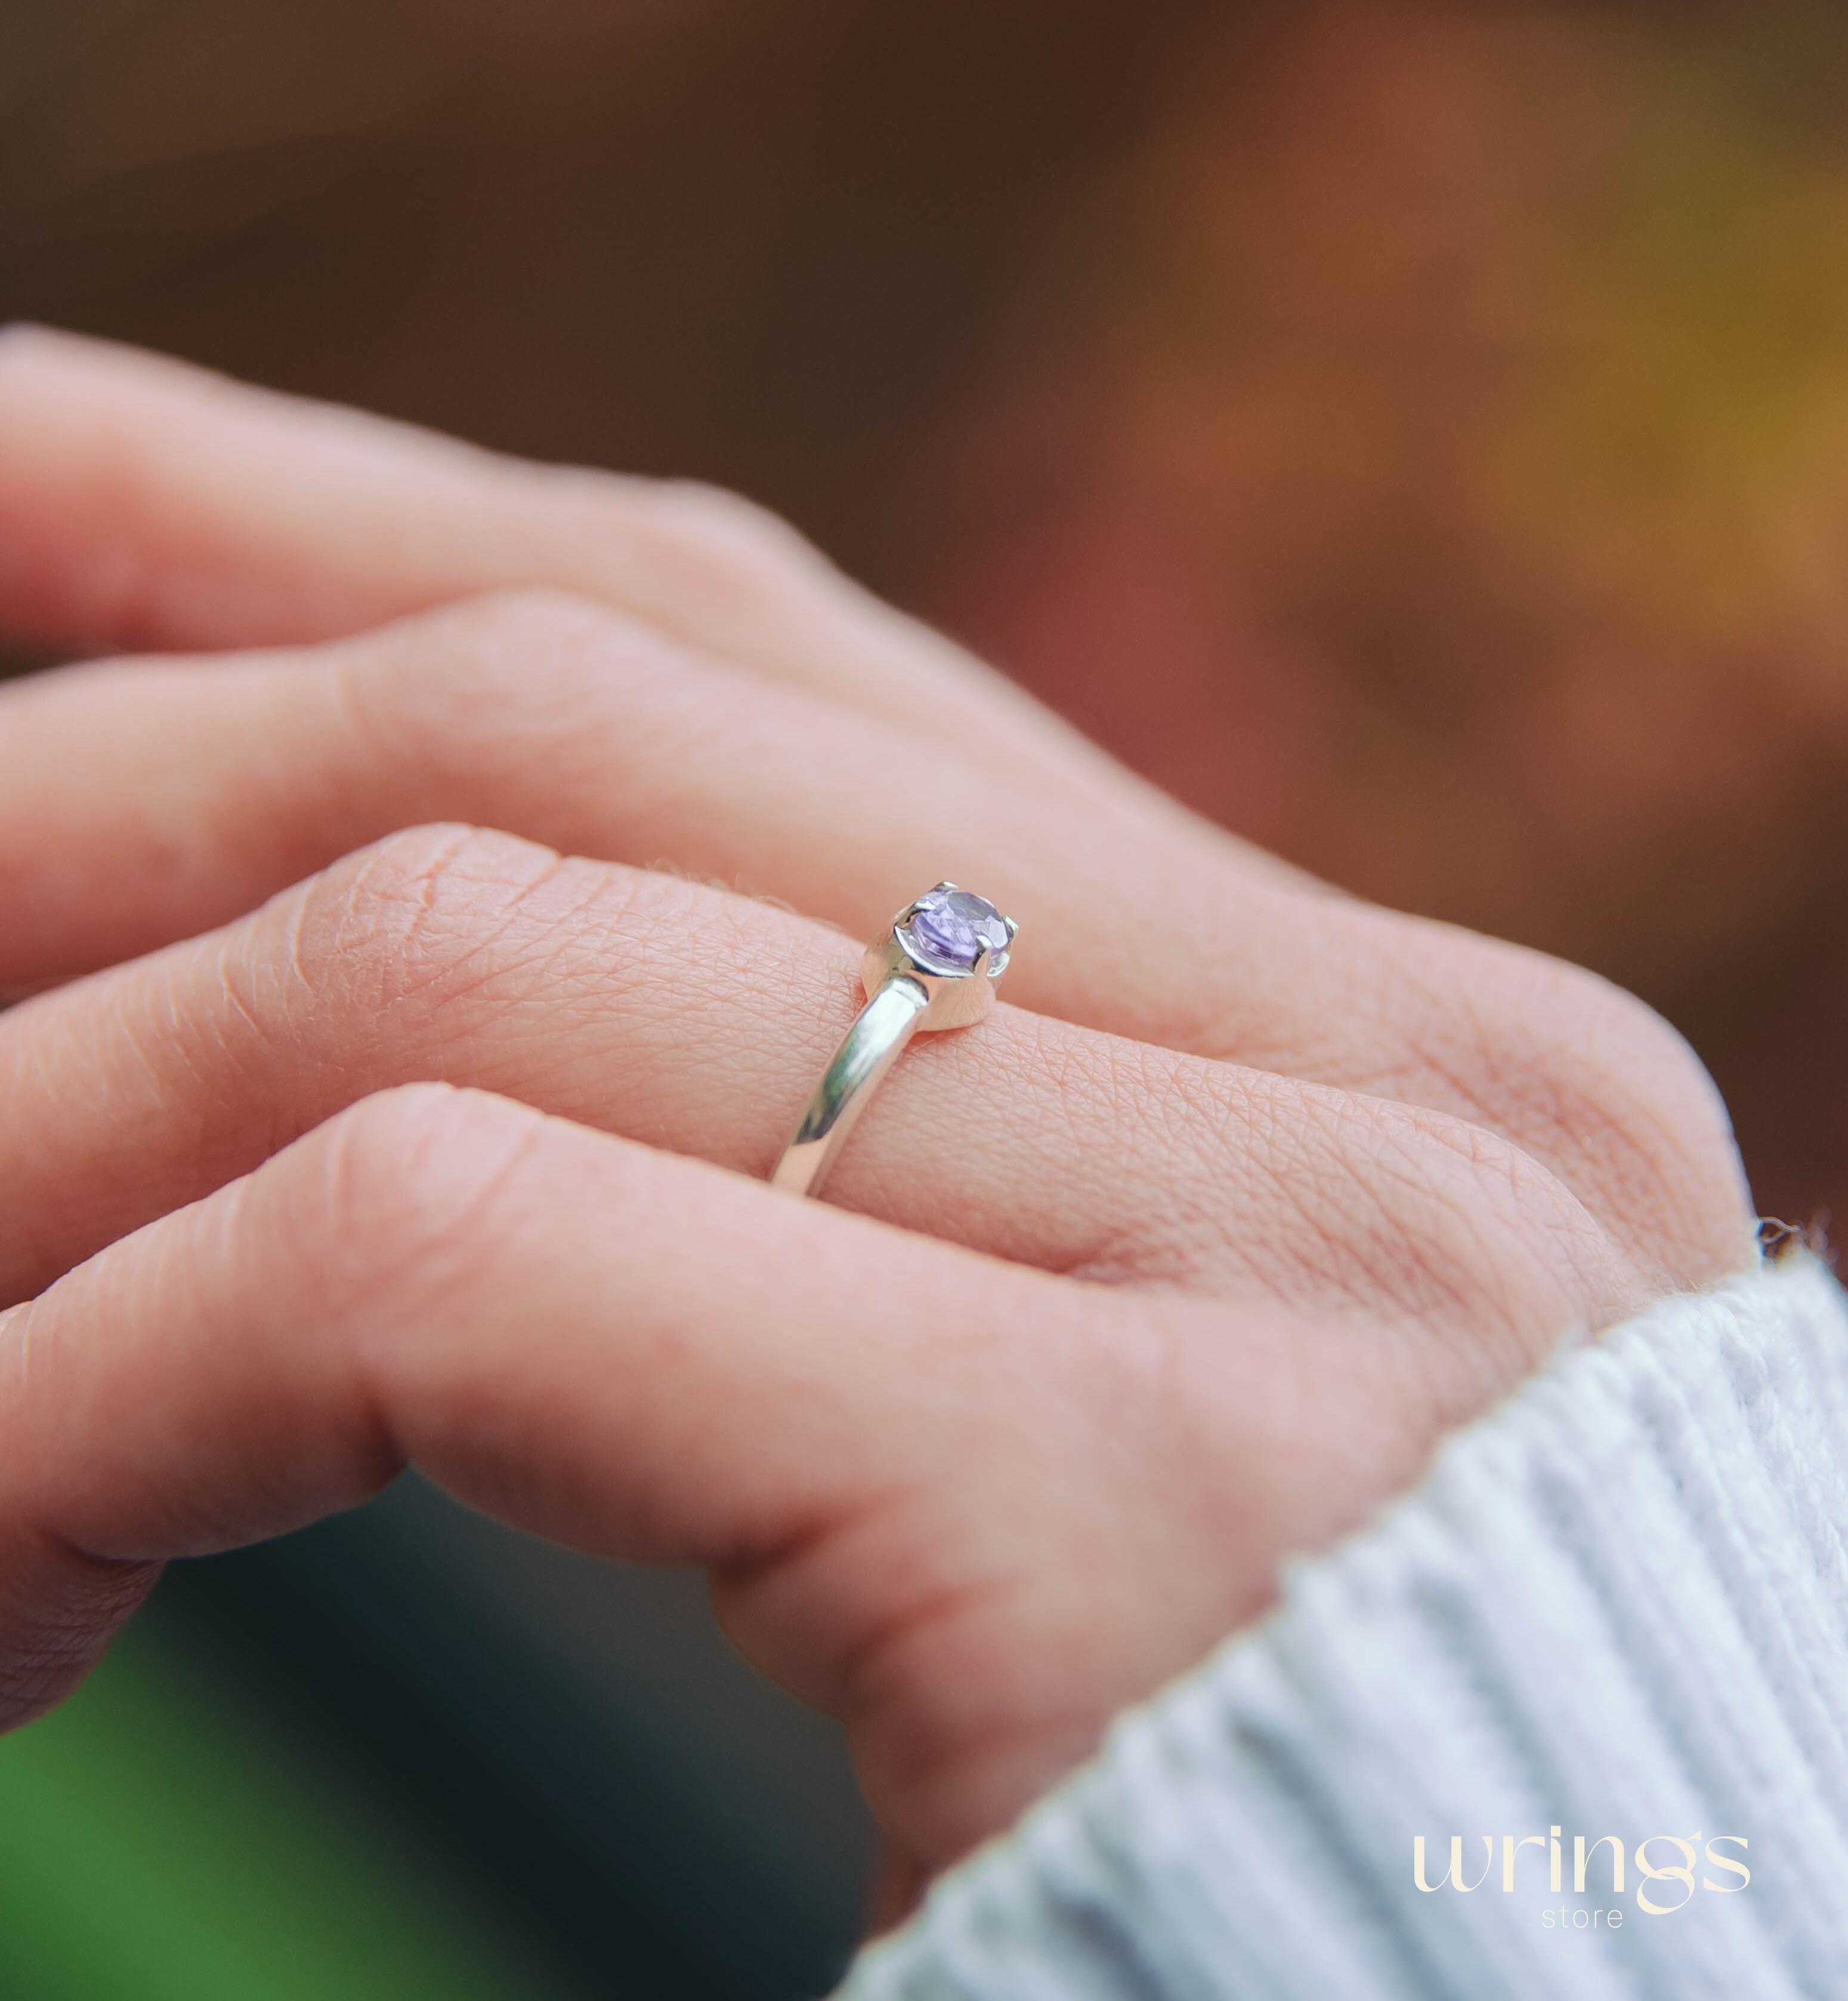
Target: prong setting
954, 944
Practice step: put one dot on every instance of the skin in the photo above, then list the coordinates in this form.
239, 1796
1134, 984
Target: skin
431, 938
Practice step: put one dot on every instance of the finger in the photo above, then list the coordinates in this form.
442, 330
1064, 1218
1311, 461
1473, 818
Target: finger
546, 1321
699, 1022
146, 503
155, 801
641, 1356
216, 1379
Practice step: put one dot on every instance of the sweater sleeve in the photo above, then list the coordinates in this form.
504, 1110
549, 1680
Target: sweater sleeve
1617, 1606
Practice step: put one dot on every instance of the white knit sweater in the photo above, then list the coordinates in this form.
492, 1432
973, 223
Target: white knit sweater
1617, 1606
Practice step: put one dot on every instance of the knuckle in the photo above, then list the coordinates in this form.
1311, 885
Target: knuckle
1450, 1216
1572, 1067
399, 1188
466, 684
414, 918
503, 636
1395, 1209
1327, 1200
736, 533
1635, 1061
1605, 1058
477, 697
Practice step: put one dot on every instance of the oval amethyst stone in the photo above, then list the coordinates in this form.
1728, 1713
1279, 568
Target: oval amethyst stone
950, 928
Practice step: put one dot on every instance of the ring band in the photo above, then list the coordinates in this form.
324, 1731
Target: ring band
934, 967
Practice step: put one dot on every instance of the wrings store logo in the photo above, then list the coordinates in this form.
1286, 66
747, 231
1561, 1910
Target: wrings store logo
1661, 1887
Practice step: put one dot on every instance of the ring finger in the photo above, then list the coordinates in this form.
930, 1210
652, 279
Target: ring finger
697, 1021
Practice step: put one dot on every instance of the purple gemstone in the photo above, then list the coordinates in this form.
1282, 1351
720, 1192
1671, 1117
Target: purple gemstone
950, 928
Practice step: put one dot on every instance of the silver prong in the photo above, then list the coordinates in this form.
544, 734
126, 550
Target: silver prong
980, 969
1013, 928
945, 884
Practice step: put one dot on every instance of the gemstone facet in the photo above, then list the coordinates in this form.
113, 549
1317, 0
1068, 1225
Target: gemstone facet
949, 929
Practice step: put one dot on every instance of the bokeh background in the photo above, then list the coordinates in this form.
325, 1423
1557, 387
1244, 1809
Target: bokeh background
1415, 434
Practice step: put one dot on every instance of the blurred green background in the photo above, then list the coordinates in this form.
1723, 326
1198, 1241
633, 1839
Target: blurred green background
1416, 434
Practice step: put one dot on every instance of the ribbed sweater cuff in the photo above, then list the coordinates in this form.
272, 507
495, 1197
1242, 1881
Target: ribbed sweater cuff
1617, 1606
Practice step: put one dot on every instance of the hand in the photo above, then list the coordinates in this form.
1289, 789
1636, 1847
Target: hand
1178, 1264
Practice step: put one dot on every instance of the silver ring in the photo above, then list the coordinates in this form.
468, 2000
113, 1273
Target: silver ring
934, 967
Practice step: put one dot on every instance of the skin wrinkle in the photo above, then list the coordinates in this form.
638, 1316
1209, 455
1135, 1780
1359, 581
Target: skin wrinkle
1270, 1107
41, 1664
799, 1594
19, 1248
810, 1537
1073, 1080
880, 1646
378, 905
361, 755
230, 964
300, 911
235, 974
1077, 1075
434, 981
1337, 1227
1181, 1241
1591, 1264
472, 977
1411, 1282
1211, 1107
1600, 1124
138, 1039
1691, 1210
1492, 1235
